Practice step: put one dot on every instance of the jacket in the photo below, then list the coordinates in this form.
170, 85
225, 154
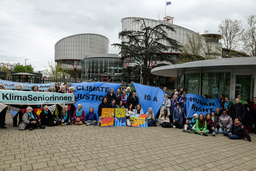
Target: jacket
46, 119
178, 117
102, 105
82, 117
90, 117
26, 119
238, 111
201, 128
210, 122
62, 117
240, 131
225, 121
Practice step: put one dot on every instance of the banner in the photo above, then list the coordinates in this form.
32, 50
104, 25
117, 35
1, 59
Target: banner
120, 117
140, 120
30, 97
200, 105
26, 86
90, 94
107, 115
14, 111
149, 97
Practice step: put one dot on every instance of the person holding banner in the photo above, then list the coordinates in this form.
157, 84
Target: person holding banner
166, 104
201, 126
129, 114
30, 120
18, 87
79, 115
3, 111
71, 107
178, 114
112, 104
104, 104
47, 117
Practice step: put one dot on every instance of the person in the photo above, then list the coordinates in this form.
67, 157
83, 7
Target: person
3, 112
238, 110
104, 104
190, 124
34, 88
112, 104
129, 114
91, 118
237, 131
205, 96
248, 118
183, 100
118, 96
210, 124
227, 105
225, 122
120, 104
215, 120
65, 117
151, 117
111, 95
71, 107
174, 102
30, 120
56, 87
124, 98
79, 115
138, 109
47, 117
201, 126
18, 87
254, 119
62, 89
165, 90
239, 96
128, 92
164, 120
166, 105
175, 90
134, 99
178, 114
222, 101
181, 91
51, 89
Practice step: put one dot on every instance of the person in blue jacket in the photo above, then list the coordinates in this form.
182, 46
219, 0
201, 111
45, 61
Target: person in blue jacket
91, 118
178, 114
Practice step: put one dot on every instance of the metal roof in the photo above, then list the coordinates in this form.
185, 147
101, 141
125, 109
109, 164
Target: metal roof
109, 55
171, 70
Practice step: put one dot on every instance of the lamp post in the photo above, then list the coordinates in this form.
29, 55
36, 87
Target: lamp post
25, 64
141, 78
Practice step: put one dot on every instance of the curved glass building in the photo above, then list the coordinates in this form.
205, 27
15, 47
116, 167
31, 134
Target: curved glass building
102, 67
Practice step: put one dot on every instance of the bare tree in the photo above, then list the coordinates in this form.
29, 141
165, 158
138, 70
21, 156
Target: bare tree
249, 36
231, 31
195, 45
55, 71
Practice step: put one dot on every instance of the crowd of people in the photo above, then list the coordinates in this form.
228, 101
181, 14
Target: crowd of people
234, 119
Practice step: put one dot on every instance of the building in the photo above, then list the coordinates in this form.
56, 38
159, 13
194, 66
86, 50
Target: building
70, 50
229, 76
102, 67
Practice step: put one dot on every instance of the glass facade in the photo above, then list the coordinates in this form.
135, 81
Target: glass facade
102, 69
214, 84
243, 85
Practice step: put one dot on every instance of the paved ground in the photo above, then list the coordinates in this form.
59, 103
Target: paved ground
121, 148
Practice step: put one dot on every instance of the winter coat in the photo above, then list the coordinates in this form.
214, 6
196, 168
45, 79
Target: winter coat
26, 119
238, 111
240, 131
225, 121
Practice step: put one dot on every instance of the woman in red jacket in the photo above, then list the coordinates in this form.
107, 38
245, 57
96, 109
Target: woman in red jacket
210, 124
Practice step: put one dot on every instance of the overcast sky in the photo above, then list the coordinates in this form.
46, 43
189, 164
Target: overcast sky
29, 29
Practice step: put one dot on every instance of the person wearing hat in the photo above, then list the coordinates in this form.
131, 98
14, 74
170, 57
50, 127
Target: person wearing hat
178, 114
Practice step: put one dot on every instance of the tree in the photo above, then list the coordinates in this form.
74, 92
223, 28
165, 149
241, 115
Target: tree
147, 45
55, 71
231, 31
7, 67
249, 36
22, 68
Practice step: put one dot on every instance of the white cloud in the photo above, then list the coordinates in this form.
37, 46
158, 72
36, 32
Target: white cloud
29, 29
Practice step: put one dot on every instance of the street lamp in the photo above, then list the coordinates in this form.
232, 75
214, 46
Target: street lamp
141, 78
25, 64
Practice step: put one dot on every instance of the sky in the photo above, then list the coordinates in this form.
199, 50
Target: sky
29, 29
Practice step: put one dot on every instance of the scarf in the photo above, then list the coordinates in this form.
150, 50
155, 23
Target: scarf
66, 116
226, 104
166, 102
238, 124
31, 115
125, 97
79, 113
45, 112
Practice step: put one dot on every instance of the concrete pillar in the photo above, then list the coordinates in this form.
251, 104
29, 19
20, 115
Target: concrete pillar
254, 85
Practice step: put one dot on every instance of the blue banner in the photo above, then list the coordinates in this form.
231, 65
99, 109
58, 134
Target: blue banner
149, 97
30, 97
91, 94
200, 105
26, 86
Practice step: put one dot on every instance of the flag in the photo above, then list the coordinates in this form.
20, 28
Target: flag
52, 109
38, 111
168, 3
14, 111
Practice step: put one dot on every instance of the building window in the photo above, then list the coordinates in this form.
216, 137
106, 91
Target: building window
192, 83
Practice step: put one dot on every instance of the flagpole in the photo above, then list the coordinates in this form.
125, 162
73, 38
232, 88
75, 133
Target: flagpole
165, 10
